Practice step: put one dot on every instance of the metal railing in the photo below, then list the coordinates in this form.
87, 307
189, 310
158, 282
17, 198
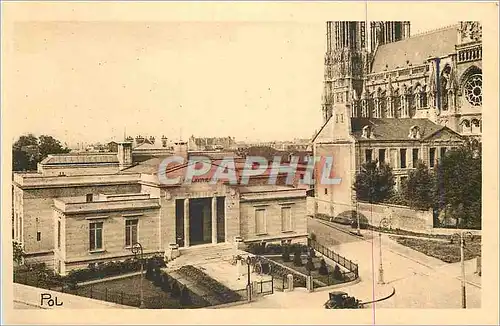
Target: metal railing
342, 261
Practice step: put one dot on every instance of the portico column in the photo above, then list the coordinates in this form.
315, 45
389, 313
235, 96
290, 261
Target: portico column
186, 222
214, 220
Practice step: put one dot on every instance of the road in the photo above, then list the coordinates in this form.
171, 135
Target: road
420, 281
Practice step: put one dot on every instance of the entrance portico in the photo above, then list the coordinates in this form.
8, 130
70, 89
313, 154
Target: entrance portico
200, 221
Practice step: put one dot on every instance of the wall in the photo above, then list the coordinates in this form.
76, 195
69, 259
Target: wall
400, 216
38, 203
273, 219
79, 170
76, 234
329, 197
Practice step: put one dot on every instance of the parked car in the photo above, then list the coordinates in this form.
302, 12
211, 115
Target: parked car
350, 218
341, 300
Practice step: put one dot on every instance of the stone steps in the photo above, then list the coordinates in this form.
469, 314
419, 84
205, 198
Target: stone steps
201, 254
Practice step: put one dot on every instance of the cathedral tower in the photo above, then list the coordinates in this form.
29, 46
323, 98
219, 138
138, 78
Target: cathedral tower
383, 32
346, 61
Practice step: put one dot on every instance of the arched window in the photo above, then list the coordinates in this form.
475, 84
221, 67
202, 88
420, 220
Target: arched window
423, 98
367, 132
397, 104
465, 126
476, 126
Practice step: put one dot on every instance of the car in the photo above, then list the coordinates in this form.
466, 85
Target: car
342, 300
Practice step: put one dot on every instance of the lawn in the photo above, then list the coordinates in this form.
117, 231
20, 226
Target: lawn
326, 279
127, 291
446, 251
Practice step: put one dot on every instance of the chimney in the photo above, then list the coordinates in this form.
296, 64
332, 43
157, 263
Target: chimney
181, 149
139, 140
164, 141
124, 154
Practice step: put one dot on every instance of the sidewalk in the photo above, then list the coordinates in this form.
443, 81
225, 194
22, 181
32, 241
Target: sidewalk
300, 298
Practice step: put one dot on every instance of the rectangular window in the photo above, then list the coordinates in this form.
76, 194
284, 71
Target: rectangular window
38, 236
95, 237
432, 156
415, 157
443, 151
58, 234
381, 155
286, 219
402, 158
260, 221
131, 232
368, 155
90, 198
326, 191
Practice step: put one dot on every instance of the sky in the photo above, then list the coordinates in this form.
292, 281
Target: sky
96, 81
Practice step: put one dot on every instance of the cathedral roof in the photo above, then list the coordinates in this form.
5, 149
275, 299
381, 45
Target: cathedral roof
396, 129
416, 49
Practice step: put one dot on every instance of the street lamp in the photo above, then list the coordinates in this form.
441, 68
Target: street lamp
384, 222
249, 287
461, 236
137, 250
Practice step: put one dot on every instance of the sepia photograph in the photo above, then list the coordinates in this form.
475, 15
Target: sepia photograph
177, 164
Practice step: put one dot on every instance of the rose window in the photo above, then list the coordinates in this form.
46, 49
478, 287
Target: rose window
474, 90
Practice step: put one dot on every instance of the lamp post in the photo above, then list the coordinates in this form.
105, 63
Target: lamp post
383, 223
137, 250
461, 236
249, 284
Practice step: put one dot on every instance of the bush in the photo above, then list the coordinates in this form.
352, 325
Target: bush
299, 247
337, 274
185, 296
310, 265
175, 289
323, 269
297, 259
274, 248
286, 254
165, 282
256, 248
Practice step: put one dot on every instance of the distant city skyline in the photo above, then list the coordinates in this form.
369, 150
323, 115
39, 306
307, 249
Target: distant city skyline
251, 81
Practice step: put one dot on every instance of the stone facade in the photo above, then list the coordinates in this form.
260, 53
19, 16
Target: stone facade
435, 75
55, 216
353, 141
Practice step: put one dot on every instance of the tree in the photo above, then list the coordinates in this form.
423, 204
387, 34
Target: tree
418, 190
310, 264
337, 274
18, 252
374, 183
459, 182
25, 153
28, 151
323, 269
286, 253
50, 145
297, 260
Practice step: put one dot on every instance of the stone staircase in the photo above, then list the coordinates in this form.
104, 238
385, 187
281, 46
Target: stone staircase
201, 254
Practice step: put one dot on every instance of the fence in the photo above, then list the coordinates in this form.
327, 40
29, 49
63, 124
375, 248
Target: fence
98, 291
342, 261
264, 286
